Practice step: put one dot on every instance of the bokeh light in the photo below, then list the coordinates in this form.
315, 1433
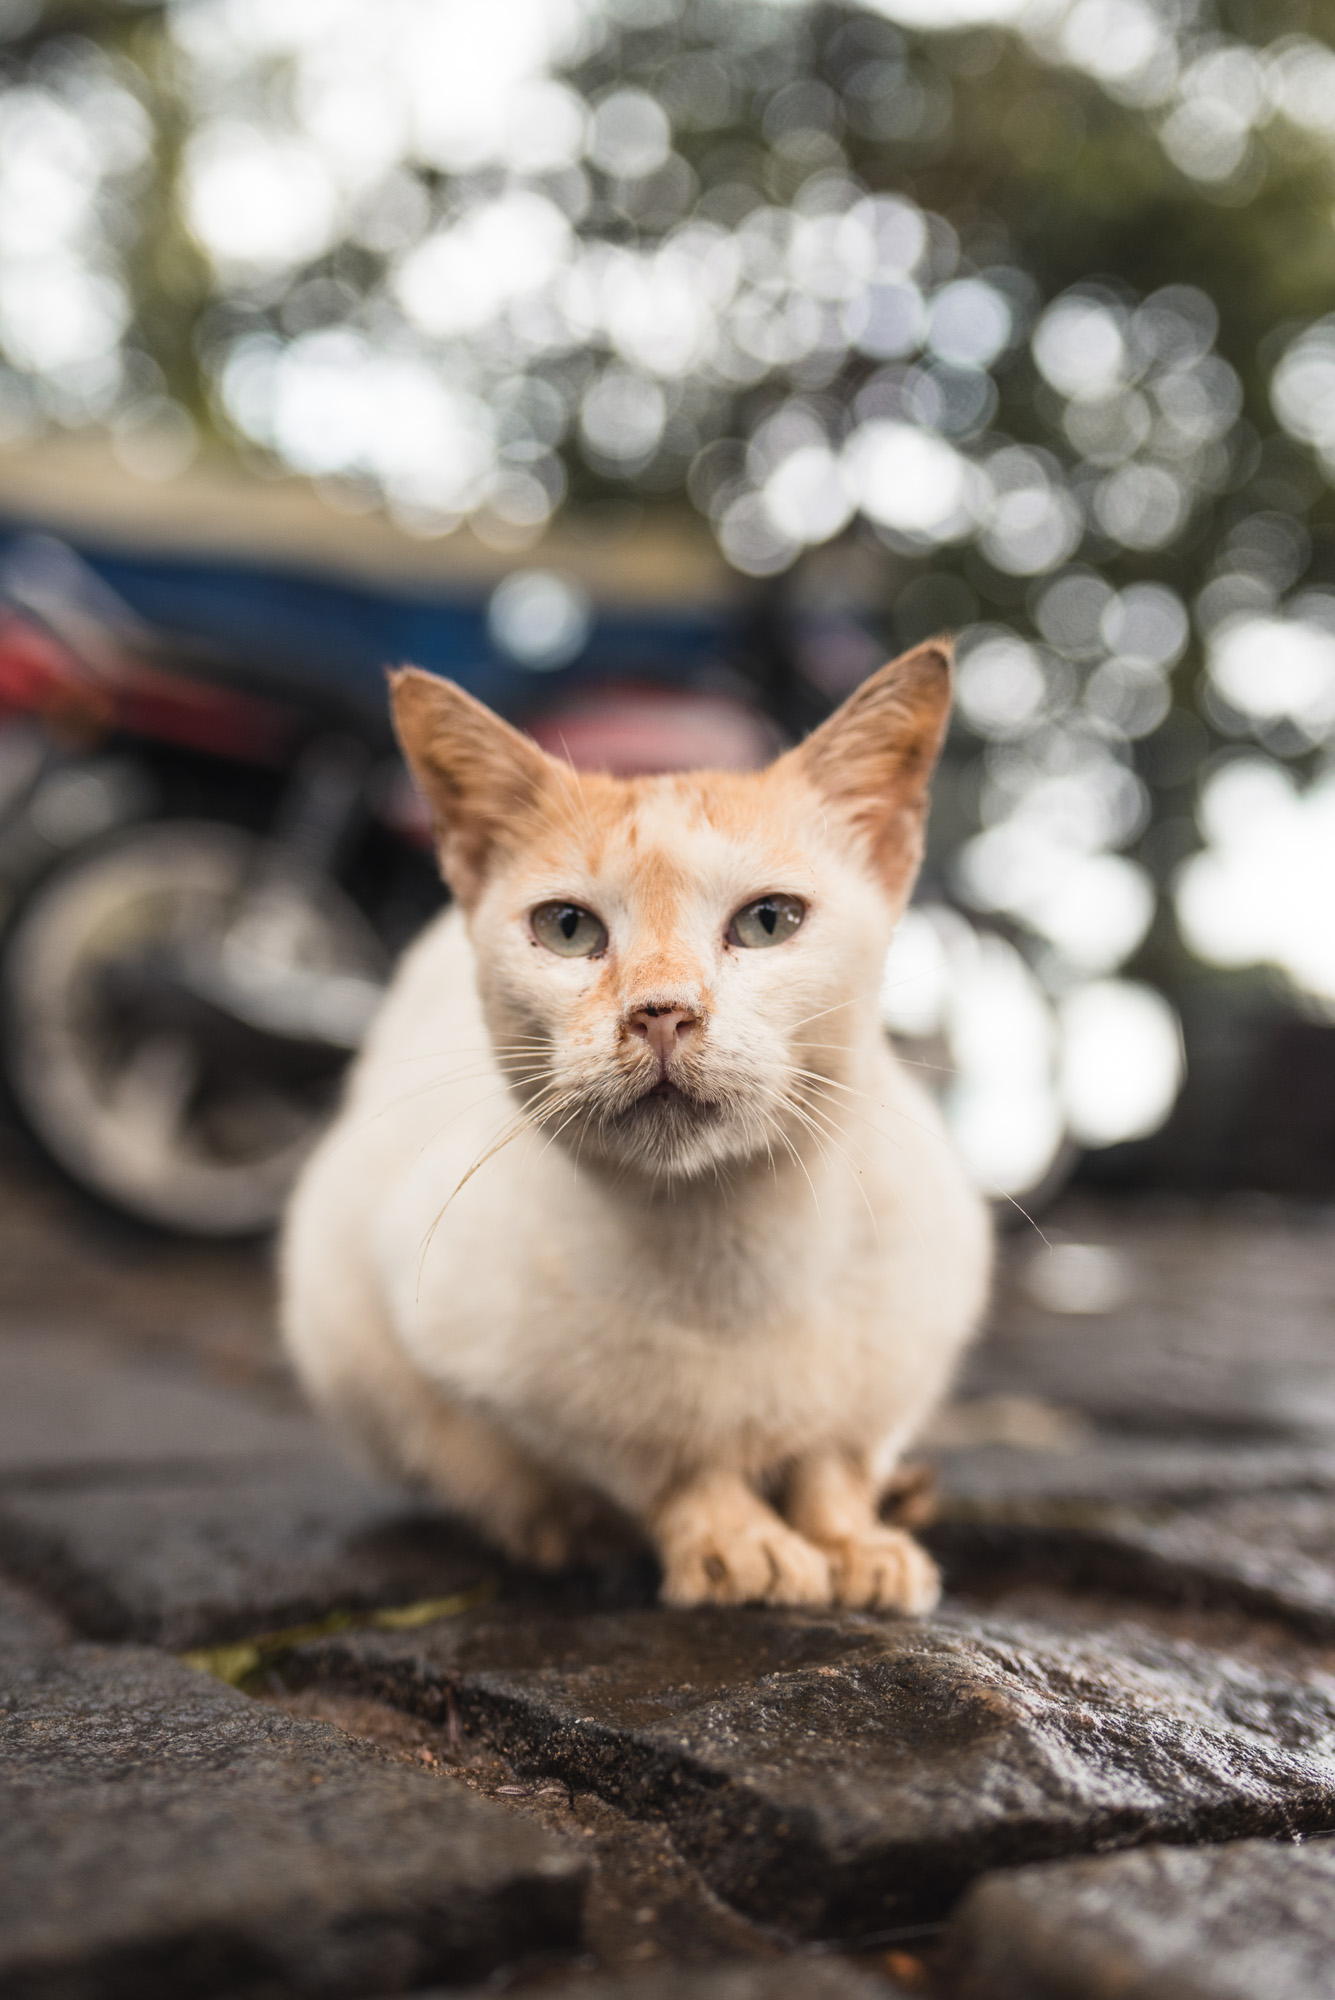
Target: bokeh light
1260, 892
923, 314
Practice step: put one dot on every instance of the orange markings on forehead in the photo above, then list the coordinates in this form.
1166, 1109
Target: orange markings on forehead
660, 888
647, 847
655, 886
497, 799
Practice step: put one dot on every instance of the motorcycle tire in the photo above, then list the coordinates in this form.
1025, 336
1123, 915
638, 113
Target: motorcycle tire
151, 1116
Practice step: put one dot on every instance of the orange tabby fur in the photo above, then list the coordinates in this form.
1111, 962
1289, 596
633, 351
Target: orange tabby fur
704, 1281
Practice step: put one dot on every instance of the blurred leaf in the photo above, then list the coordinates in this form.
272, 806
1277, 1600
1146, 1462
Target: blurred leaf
238, 1662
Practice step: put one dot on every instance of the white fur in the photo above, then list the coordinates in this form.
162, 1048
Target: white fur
568, 1321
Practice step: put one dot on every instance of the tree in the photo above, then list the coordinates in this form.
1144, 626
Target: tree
1016, 326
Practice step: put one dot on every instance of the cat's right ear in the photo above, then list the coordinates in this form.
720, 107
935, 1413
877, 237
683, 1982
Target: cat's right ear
480, 777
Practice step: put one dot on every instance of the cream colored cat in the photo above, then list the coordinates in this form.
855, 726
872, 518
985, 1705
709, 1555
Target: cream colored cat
630, 1207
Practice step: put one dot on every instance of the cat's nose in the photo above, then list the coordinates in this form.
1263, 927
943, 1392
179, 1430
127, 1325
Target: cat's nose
664, 1028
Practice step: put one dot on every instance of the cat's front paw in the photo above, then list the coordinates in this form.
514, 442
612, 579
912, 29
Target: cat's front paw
884, 1570
764, 1563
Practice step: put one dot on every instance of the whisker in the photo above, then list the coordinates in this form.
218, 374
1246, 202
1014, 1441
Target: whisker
531, 1046
440, 1083
803, 1165
853, 1001
841, 1139
850, 1111
909, 1062
524, 1122
834, 1083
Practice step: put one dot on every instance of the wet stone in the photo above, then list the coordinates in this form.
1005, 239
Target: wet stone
26, 1624
73, 1411
160, 1834
1268, 1554
984, 1481
793, 1978
192, 1565
1216, 1319
1251, 1921
835, 1774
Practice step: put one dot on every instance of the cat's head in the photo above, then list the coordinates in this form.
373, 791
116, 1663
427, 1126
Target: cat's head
674, 969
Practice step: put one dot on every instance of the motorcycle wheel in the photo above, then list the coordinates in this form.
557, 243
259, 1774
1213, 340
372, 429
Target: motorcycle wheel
147, 1115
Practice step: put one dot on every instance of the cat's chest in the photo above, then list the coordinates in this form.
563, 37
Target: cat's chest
605, 1332
628, 1335
555, 1264
611, 1376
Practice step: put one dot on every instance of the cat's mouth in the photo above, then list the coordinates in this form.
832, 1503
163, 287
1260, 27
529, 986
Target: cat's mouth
665, 1091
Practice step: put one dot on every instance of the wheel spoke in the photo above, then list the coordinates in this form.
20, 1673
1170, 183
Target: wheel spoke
152, 1093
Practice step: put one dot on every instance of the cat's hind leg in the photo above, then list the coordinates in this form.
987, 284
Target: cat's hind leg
340, 1340
475, 1470
831, 1500
720, 1543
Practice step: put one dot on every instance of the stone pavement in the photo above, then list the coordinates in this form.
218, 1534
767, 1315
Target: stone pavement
267, 1730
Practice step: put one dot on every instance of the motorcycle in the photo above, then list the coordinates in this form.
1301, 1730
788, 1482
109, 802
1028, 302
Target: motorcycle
209, 859
211, 855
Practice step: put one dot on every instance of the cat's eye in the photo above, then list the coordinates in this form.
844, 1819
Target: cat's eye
568, 930
769, 920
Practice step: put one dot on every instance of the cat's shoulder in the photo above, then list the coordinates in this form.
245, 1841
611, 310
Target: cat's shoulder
432, 993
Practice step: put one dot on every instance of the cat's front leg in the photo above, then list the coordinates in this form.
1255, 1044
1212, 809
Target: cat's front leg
831, 1501
721, 1544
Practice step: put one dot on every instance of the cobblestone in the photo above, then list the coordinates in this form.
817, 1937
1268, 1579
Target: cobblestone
785, 1979
193, 1565
1250, 1921
26, 1623
1270, 1554
1210, 1319
162, 1834
584, 1794
75, 1411
836, 1774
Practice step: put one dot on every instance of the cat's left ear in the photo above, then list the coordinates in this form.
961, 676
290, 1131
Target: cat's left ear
873, 760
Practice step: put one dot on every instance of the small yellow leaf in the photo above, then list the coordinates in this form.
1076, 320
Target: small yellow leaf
226, 1663
237, 1662
407, 1617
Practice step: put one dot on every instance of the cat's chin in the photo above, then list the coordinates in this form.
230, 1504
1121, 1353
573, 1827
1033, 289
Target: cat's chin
667, 1092
666, 1133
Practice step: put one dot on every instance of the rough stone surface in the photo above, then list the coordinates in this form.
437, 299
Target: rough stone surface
68, 1267
26, 1623
837, 1773
1152, 1423
1220, 1322
1250, 1921
1116, 1469
795, 1978
161, 1834
1271, 1554
186, 1566
73, 1410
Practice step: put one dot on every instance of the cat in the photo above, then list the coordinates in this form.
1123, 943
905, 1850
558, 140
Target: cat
630, 1213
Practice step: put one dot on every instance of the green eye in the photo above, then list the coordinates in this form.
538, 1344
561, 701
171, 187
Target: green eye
767, 921
568, 930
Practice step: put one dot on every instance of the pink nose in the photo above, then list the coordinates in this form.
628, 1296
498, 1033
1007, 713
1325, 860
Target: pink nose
664, 1028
